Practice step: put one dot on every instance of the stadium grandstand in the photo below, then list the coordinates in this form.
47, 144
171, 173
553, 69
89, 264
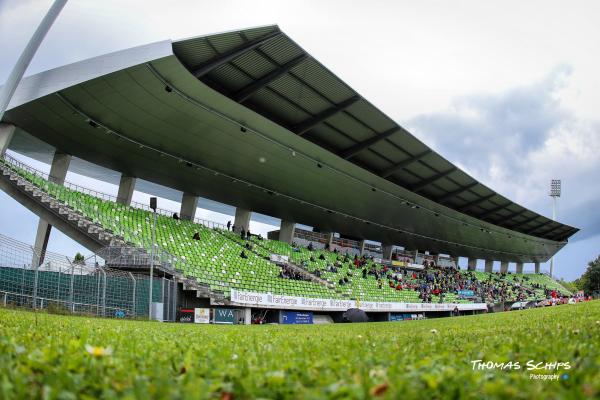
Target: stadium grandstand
249, 119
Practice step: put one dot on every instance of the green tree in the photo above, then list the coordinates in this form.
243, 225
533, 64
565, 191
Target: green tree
79, 259
570, 286
590, 280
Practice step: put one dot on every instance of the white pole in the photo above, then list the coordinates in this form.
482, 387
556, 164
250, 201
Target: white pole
23, 62
553, 219
151, 268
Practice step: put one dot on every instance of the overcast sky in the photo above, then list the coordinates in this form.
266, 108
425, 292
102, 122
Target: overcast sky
508, 91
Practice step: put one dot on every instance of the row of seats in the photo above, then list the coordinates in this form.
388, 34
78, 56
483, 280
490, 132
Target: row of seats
215, 258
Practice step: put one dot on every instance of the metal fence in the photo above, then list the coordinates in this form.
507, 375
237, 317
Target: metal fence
63, 285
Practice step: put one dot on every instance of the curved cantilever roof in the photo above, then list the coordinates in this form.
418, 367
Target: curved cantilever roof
249, 119
269, 73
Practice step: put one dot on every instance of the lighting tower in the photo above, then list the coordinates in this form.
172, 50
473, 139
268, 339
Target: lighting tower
554, 193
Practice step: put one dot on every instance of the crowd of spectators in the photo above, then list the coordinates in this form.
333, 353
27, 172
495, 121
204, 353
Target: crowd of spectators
432, 282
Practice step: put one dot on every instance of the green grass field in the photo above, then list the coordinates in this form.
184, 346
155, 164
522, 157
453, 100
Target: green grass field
63, 357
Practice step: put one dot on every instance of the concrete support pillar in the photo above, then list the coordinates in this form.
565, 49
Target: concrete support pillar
361, 247
489, 265
387, 251
126, 187
537, 267
6, 133
58, 173
472, 264
242, 219
41, 242
286, 231
329, 239
247, 316
519, 268
189, 204
504, 266
59, 167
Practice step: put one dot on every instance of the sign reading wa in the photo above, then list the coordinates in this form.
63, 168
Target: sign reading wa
224, 316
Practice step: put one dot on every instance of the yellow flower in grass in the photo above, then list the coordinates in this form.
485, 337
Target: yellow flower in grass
97, 351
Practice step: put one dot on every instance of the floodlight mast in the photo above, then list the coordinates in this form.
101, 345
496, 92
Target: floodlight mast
23, 62
153, 206
555, 189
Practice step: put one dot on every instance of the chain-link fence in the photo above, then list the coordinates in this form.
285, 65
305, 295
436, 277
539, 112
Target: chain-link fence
63, 285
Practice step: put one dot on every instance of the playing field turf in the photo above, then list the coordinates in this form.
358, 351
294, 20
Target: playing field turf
64, 357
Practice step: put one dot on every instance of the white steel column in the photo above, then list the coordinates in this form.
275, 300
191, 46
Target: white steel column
23, 62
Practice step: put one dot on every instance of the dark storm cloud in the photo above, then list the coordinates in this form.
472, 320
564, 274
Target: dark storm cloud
508, 125
505, 130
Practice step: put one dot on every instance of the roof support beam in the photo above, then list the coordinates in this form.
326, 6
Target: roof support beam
512, 226
311, 122
535, 228
494, 210
475, 202
454, 193
365, 144
233, 54
516, 214
551, 229
403, 164
426, 182
244, 93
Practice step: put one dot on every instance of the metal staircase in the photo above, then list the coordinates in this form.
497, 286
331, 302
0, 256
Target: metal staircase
111, 247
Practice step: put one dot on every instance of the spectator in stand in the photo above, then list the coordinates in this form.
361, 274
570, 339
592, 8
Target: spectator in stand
228, 225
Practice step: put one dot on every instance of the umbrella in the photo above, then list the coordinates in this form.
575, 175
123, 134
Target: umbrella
355, 315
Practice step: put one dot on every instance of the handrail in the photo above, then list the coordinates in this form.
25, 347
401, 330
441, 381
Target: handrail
14, 163
105, 196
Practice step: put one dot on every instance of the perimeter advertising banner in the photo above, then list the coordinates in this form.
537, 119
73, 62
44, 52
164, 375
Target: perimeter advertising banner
224, 316
296, 317
186, 316
202, 315
268, 300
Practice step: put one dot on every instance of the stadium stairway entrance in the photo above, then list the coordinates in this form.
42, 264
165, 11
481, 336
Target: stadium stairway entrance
117, 253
